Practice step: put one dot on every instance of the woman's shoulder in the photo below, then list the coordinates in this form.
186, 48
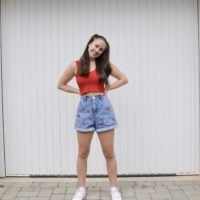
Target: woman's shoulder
74, 65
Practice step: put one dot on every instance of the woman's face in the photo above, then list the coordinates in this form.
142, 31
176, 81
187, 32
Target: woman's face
96, 48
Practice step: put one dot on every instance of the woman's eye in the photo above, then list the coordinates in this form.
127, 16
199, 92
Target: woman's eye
97, 46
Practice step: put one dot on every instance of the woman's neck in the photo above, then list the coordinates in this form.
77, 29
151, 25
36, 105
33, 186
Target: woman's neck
92, 61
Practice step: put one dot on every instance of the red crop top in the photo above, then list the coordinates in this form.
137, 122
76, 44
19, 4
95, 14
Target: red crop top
90, 83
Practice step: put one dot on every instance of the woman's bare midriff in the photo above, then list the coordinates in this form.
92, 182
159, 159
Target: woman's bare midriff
93, 93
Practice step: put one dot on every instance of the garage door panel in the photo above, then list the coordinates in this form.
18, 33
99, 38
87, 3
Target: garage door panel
154, 42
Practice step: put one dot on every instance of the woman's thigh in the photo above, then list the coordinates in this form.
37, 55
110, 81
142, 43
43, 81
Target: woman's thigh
107, 140
84, 139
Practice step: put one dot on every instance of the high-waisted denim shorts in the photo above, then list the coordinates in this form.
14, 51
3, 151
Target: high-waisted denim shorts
95, 113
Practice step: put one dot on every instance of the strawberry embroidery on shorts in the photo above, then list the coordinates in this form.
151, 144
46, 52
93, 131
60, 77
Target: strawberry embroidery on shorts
108, 109
113, 119
87, 111
102, 121
83, 122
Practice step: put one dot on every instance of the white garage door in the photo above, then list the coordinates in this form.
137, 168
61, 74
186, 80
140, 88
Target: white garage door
154, 42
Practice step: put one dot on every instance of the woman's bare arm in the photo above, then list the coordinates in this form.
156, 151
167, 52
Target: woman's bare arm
120, 76
68, 74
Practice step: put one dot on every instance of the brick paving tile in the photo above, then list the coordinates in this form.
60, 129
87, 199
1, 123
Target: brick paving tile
69, 196
194, 198
179, 195
57, 197
45, 192
14, 189
38, 198
184, 182
106, 198
105, 184
161, 189
127, 183
148, 183
3, 190
161, 196
48, 185
27, 194
127, 191
143, 196
10, 195
22, 184
142, 190
59, 190
91, 184
168, 183
192, 192
173, 187
71, 190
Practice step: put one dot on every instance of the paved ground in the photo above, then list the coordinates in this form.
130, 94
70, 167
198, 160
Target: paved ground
176, 188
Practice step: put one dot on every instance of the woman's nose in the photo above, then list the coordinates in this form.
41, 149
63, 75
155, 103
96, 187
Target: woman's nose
97, 50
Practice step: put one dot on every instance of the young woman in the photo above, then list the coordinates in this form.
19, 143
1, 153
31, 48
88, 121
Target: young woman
94, 112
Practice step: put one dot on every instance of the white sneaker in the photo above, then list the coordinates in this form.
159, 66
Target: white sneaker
116, 195
80, 193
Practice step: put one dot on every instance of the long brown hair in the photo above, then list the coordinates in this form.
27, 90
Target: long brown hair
102, 62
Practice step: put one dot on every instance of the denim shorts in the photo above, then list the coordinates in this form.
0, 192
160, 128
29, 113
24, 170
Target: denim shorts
95, 113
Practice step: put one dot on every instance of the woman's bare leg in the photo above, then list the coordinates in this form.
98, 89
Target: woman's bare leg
107, 143
84, 141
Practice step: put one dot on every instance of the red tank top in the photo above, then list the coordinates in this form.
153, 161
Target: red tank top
90, 83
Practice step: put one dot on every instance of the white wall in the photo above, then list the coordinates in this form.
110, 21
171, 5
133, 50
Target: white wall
154, 42
2, 167
198, 3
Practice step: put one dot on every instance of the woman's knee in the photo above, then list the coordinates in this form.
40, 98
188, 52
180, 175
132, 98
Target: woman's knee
83, 152
109, 154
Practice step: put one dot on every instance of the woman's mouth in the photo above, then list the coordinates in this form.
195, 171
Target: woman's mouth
94, 54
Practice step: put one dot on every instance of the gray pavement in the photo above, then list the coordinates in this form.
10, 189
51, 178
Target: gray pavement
98, 188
